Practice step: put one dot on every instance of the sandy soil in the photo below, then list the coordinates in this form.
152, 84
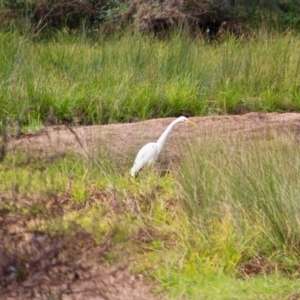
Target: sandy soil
124, 140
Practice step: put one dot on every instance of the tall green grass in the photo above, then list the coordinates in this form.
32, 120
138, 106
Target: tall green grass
137, 77
242, 197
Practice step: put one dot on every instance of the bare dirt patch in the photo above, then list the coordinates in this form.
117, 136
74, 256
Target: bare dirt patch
39, 265
122, 141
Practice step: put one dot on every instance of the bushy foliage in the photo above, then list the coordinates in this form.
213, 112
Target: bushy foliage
205, 18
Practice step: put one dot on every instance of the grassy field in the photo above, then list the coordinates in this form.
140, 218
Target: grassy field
224, 223
137, 77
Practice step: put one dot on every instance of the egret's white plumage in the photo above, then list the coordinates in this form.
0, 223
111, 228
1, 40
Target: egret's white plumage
149, 153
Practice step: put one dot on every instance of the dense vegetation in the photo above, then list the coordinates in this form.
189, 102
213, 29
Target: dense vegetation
208, 17
136, 77
246, 66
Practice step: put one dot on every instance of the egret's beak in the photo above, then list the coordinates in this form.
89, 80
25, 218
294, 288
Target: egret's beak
191, 122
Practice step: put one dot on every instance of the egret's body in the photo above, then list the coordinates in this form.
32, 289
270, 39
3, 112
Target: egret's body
149, 153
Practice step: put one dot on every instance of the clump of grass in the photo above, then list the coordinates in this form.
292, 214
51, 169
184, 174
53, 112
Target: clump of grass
241, 197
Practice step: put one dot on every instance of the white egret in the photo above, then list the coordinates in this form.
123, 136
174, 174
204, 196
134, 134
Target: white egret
149, 153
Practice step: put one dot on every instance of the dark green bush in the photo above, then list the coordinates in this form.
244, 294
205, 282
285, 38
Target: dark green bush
207, 17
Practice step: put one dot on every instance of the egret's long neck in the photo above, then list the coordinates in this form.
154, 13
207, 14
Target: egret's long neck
161, 141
